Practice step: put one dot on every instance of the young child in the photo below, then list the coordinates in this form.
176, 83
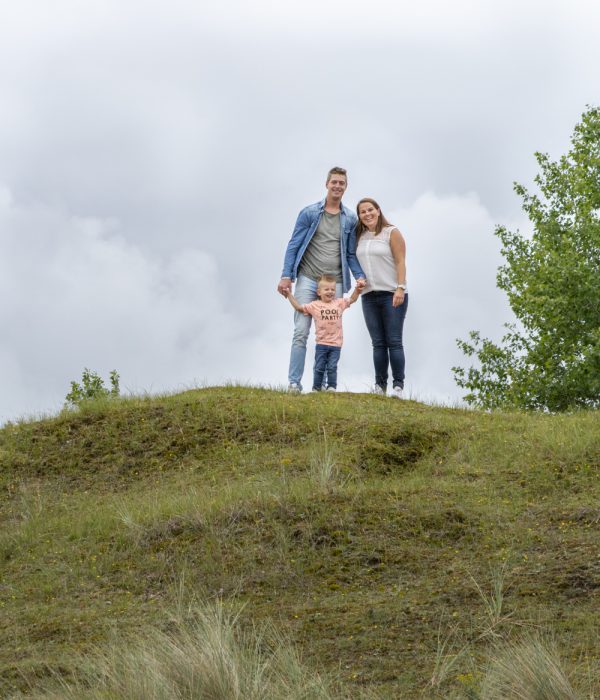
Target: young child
327, 312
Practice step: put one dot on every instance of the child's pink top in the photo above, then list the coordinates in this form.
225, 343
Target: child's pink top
328, 320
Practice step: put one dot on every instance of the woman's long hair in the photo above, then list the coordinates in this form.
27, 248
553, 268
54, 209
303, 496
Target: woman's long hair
382, 222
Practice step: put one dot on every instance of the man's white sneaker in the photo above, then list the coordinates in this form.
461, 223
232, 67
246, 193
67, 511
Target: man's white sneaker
377, 390
294, 388
396, 392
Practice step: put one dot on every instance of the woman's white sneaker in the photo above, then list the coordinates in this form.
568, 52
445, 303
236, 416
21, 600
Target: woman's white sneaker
396, 392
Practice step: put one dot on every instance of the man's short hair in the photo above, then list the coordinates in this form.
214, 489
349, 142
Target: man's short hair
336, 170
328, 279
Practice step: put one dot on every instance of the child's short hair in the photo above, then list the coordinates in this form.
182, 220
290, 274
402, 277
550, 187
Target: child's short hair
330, 279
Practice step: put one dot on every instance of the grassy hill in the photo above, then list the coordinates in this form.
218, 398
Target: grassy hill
397, 546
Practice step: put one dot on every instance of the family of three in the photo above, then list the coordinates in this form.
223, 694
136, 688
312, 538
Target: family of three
328, 243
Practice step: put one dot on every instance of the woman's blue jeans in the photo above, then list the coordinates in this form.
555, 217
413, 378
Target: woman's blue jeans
385, 324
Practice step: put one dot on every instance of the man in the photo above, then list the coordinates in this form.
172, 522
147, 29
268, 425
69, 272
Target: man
323, 243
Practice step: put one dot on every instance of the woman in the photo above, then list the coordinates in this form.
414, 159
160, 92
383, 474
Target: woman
381, 252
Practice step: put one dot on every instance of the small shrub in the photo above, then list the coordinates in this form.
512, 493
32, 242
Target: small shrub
91, 388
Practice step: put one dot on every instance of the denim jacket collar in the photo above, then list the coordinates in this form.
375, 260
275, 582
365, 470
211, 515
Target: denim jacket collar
343, 208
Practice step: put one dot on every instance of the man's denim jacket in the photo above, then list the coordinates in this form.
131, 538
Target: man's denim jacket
306, 225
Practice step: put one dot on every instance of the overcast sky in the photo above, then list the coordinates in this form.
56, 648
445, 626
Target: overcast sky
154, 157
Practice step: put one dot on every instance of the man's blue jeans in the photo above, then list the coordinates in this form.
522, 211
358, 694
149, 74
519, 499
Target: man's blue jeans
305, 291
385, 324
326, 362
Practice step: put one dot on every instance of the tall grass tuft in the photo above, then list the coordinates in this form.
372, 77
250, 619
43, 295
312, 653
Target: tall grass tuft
324, 471
449, 652
529, 669
493, 600
204, 654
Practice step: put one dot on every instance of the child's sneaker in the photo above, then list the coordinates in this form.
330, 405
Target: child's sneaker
396, 392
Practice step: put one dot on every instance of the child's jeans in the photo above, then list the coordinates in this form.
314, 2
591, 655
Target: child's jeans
326, 359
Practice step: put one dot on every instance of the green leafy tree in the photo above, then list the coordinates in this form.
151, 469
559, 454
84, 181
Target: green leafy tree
549, 359
91, 388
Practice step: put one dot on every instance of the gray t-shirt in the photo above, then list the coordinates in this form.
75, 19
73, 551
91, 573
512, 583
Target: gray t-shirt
322, 256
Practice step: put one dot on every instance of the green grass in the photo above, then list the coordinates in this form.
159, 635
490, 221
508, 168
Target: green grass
395, 545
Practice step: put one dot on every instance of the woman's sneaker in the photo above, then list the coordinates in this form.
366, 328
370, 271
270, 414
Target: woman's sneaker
396, 392
378, 390
294, 388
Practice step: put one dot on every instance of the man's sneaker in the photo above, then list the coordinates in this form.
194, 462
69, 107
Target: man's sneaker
378, 390
331, 388
294, 388
396, 392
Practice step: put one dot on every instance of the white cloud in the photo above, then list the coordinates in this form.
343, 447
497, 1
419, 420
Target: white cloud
76, 294
453, 259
